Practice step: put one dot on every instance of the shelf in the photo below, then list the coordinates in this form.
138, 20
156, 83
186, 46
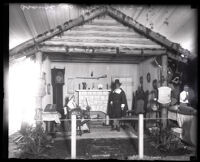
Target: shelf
93, 90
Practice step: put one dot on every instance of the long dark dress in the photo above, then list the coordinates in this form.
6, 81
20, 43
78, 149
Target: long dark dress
115, 110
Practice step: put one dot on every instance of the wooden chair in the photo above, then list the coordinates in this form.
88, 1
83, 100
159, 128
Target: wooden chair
81, 114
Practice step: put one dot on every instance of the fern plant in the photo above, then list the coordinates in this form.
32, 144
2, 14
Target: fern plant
34, 140
165, 140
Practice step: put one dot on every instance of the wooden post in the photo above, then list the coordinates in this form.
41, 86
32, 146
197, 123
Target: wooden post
48, 68
164, 69
73, 136
141, 136
164, 111
38, 116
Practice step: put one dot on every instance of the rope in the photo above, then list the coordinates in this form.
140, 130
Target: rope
112, 119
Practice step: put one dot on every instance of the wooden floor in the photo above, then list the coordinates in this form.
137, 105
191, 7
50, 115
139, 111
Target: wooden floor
101, 132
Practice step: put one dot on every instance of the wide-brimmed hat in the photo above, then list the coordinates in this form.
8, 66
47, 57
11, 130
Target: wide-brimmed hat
117, 82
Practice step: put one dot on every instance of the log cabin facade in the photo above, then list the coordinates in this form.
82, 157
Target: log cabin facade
102, 42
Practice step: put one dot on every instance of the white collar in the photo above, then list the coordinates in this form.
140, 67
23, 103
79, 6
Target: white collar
118, 91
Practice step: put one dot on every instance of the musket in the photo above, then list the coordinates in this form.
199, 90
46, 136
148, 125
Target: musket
103, 76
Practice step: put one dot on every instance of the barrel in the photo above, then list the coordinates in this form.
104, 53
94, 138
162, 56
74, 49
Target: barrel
164, 95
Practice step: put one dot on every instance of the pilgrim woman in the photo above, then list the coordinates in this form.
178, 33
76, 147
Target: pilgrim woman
118, 105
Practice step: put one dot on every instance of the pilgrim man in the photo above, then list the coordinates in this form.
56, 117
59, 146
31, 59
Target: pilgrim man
117, 105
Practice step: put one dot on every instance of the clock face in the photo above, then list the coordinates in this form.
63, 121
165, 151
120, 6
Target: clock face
59, 77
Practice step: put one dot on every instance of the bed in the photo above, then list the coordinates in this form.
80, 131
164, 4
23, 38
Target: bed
186, 118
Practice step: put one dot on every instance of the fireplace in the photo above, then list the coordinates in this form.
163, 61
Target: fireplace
97, 99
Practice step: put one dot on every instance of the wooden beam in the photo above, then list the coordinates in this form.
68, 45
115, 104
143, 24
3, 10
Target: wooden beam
86, 28
67, 25
144, 52
164, 108
101, 34
164, 69
100, 29
121, 17
94, 59
111, 61
27, 52
99, 50
94, 37
106, 40
115, 45
92, 26
104, 22
49, 49
39, 94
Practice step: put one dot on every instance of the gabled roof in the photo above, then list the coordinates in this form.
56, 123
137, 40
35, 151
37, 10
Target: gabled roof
104, 35
32, 45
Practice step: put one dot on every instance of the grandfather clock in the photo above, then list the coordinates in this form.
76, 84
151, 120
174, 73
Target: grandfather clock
57, 83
